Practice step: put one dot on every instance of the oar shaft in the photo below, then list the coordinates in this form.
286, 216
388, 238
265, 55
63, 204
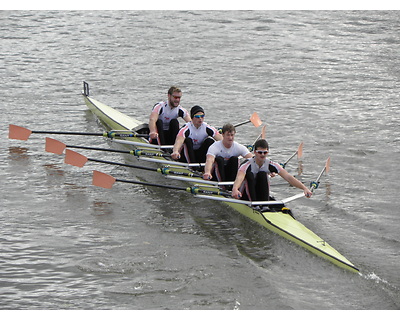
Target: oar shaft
100, 149
193, 190
165, 171
241, 123
21, 133
123, 164
299, 153
69, 133
315, 184
109, 134
133, 152
290, 158
152, 184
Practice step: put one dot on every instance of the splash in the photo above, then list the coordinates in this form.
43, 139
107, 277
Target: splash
374, 277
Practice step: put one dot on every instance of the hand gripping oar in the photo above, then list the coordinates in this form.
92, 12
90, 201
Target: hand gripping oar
254, 119
21, 133
101, 179
314, 185
79, 160
58, 147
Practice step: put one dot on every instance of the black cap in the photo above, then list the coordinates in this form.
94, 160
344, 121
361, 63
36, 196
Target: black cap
195, 109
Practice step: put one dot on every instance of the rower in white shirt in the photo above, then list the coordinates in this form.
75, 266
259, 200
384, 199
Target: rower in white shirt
222, 160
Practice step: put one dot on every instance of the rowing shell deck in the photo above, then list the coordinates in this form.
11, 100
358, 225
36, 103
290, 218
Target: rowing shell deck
277, 219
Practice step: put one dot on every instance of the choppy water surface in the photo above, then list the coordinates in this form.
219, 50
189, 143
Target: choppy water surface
329, 79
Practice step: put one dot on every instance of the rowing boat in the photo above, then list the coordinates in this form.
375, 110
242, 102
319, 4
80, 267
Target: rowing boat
275, 217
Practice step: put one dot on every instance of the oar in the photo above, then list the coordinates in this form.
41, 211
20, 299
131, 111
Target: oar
175, 163
247, 203
202, 181
58, 147
299, 153
21, 133
261, 135
79, 160
254, 119
141, 144
101, 179
314, 184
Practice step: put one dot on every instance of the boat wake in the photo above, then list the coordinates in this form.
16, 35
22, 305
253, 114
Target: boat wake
390, 290
374, 277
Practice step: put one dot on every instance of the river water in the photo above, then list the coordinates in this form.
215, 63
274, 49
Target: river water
327, 78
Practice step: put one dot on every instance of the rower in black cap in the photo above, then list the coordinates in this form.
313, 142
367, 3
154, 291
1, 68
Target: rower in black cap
194, 138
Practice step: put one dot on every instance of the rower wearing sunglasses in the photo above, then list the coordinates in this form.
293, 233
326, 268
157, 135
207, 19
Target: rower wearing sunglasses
194, 139
252, 181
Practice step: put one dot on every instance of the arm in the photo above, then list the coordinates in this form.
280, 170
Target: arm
238, 182
152, 125
207, 169
218, 137
177, 147
294, 182
187, 118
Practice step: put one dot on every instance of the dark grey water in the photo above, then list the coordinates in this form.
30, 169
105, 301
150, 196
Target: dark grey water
329, 79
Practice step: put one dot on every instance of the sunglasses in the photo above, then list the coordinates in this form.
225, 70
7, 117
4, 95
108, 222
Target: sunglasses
261, 152
198, 116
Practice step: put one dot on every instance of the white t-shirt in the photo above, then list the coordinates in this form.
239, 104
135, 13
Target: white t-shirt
236, 150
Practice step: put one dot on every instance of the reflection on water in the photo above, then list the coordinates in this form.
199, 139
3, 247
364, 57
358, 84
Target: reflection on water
18, 153
53, 170
102, 208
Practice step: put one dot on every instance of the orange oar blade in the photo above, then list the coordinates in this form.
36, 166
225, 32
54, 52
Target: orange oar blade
300, 150
327, 165
18, 133
255, 120
74, 158
103, 180
263, 134
55, 146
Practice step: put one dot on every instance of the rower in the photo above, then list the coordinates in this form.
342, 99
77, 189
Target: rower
163, 122
252, 180
222, 161
194, 139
